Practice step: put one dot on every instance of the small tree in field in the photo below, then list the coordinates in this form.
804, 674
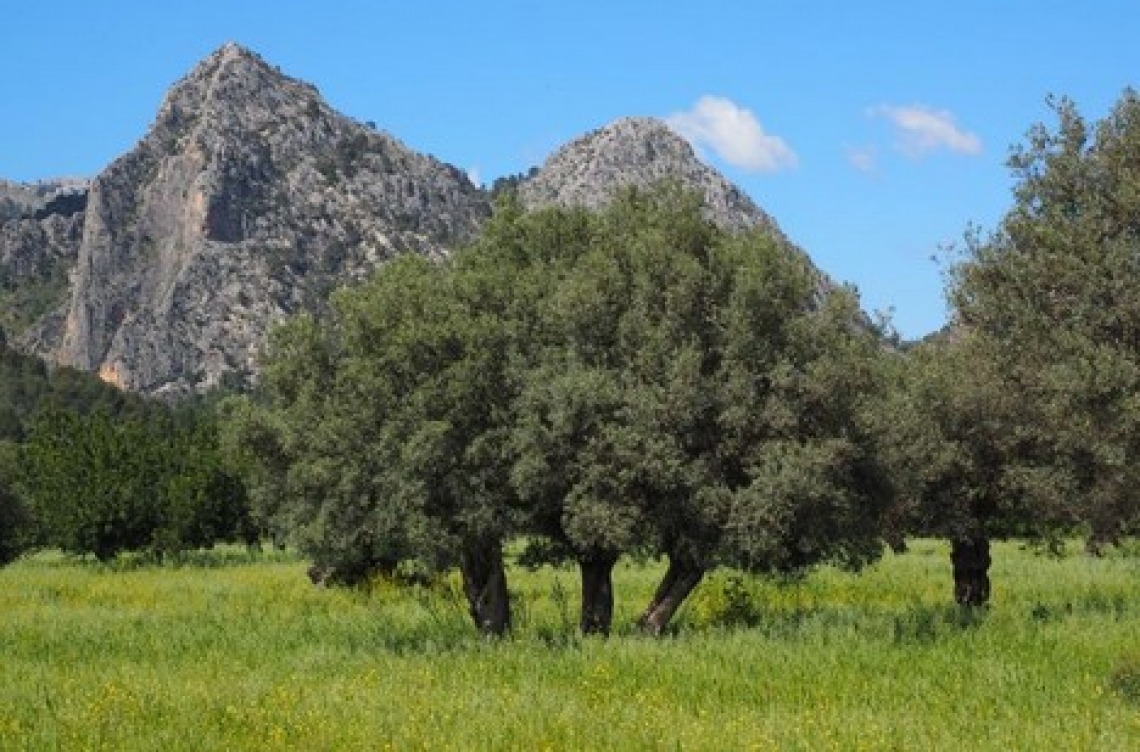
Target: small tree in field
948, 429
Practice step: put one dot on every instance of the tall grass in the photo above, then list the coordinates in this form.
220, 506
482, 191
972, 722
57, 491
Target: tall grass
250, 656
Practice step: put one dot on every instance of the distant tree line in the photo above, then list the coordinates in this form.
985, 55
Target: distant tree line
90, 469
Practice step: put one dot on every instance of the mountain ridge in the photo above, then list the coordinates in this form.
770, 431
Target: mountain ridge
249, 198
637, 151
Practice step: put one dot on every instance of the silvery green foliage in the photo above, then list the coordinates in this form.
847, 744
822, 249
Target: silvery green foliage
1053, 301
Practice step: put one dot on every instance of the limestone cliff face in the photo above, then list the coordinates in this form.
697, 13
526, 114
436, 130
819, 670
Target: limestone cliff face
248, 199
590, 170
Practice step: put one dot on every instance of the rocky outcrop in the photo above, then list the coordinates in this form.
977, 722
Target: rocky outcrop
26, 200
41, 225
590, 170
37, 256
248, 199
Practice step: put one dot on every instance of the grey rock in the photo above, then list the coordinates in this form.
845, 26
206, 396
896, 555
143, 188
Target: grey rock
248, 199
37, 257
640, 152
23, 200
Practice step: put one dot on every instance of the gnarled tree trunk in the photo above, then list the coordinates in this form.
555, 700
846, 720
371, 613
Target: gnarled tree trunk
679, 580
597, 594
971, 560
485, 586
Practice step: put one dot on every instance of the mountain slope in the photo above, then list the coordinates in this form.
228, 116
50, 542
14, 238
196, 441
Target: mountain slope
248, 199
589, 170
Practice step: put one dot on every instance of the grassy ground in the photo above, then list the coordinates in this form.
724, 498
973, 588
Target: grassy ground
239, 654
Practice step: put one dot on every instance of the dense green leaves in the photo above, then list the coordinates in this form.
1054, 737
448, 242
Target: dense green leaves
99, 484
627, 382
15, 520
1054, 298
381, 443
101, 471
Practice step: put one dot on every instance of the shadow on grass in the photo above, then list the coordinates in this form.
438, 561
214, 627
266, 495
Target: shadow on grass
1094, 603
921, 624
737, 607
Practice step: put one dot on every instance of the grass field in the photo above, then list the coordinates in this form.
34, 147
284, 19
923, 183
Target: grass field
231, 653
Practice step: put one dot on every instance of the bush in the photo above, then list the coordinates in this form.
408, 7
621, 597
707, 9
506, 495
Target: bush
1125, 679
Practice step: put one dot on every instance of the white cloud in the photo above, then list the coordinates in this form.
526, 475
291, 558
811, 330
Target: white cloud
923, 129
733, 134
475, 175
862, 158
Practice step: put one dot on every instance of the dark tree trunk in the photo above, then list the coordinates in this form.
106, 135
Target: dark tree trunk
597, 594
485, 586
971, 560
679, 580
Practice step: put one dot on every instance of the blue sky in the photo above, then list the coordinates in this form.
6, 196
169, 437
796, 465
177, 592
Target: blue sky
874, 132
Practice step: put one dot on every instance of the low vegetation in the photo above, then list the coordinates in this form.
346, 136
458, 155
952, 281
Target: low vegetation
230, 651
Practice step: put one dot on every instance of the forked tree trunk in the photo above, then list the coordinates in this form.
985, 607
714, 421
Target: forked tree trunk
680, 579
485, 586
971, 560
597, 594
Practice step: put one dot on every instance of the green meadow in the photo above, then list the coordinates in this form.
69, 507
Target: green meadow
232, 651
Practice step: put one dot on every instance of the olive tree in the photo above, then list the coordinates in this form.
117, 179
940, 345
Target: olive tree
697, 396
1053, 299
627, 382
948, 428
379, 440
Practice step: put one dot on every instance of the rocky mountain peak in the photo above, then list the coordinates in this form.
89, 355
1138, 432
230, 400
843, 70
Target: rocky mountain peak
637, 151
234, 88
230, 55
230, 62
249, 198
